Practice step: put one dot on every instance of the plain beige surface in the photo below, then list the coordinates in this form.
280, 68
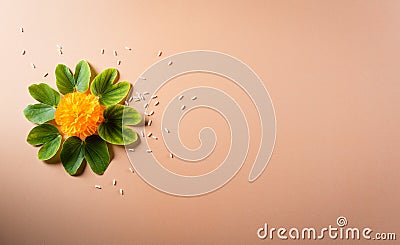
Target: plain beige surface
331, 68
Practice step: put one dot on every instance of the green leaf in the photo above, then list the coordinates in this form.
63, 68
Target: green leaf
115, 94
42, 134
48, 136
103, 80
130, 116
39, 113
82, 76
96, 154
109, 93
113, 129
64, 79
122, 114
44, 94
50, 148
117, 134
72, 154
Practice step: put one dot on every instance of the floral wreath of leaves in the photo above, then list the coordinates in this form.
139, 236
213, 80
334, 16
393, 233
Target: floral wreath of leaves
102, 120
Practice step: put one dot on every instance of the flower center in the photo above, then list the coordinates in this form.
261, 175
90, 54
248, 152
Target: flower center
79, 114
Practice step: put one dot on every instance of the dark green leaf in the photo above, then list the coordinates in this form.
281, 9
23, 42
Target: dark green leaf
109, 93
64, 79
49, 149
82, 76
113, 129
72, 154
96, 154
45, 94
42, 134
39, 113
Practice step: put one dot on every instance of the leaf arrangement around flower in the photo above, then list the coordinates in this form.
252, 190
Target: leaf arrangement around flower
87, 113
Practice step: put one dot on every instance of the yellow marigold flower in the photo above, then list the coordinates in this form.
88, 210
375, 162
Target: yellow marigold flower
79, 114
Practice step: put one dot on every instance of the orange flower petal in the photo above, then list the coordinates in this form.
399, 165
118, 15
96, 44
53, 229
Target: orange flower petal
79, 114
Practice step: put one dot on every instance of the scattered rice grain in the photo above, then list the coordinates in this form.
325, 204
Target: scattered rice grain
159, 53
166, 130
98, 186
149, 122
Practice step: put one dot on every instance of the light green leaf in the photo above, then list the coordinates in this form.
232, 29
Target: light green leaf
42, 134
64, 79
122, 114
82, 76
48, 136
96, 154
72, 154
117, 134
103, 80
39, 113
44, 94
115, 94
129, 136
50, 148
113, 129
109, 93
130, 116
